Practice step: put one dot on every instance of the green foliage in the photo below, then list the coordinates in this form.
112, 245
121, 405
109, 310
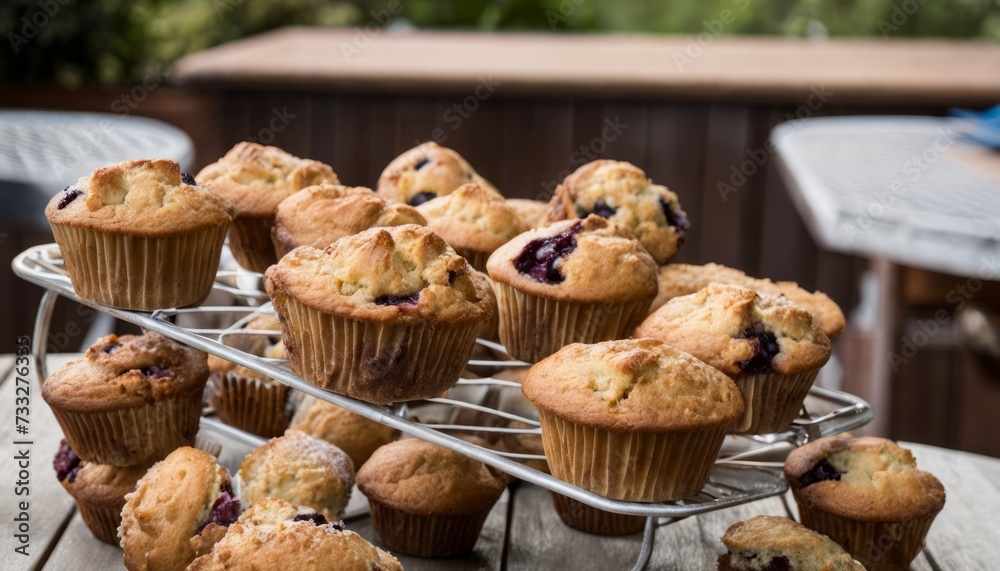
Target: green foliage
75, 42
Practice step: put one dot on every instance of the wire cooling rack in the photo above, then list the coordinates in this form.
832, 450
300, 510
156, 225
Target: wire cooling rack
748, 468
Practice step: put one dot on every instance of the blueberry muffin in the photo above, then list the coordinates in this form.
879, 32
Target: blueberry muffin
178, 510
622, 193
772, 348
386, 315
777, 543
424, 172
632, 420
301, 470
426, 500
355, 435
255, 179
531, 212
130, 400
140, 235
98, 490
676, 280
320, 215
475, 220
573, 281
274, 535
867, 495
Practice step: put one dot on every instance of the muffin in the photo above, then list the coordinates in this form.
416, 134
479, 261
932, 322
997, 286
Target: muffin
771, 542
140, 235
301, 470
98, 490
255, 179
355, 435
633, 420
530, 211
245, 398
676, 280
475, 220
386, 315
130, 400
772, 348
867, 495
425, 172
426, 500
179, 509
573, 281
622, 193
274, 535
320, 215
580, 516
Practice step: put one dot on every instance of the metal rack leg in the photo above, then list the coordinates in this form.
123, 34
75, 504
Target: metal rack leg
43, 319
648, 536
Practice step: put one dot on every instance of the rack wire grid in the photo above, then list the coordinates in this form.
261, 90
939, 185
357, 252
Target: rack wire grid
747, 469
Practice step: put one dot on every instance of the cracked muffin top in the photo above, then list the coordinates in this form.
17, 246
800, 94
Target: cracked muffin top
863, 478
425, 172
633, 385
126, 372
621, 192
179, 508
320, 215
146, 198
256, 178
352, 433
590, 260
531, 211
277, 536
738, 330
473, 217
682, 279
772, 542
426, 479
402, 274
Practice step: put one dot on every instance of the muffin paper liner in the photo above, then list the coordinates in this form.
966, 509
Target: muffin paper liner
427, 536
773, 401
137, 273
879, 546
250, 242
103, 522
375, 362
579, 515
252, 404
133, 436
476, 259
632, 466
534, 327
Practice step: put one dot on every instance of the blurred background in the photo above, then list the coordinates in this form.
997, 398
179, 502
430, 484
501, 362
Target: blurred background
525, 89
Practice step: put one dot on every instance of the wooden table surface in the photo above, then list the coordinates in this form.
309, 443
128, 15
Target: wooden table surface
522, 532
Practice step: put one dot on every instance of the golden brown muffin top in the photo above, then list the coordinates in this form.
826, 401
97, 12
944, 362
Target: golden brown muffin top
473, 217
425, 172
530, 211
299, 469
144, 198
99, 485
588, 261
865, 478
632, 385
683, 279
352, 433
274, 535
421, 478
622, 192
256, 178
738, 330
403, 274
755, 543
320, 215
126, 372
172, 504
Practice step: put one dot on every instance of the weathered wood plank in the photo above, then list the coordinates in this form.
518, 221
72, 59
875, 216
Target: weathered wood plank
79, 549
